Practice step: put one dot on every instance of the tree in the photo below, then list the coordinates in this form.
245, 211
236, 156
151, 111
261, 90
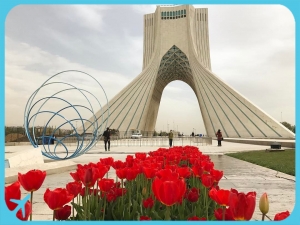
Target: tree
289, 126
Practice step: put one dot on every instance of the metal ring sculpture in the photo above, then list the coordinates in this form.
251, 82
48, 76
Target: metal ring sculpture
57, 108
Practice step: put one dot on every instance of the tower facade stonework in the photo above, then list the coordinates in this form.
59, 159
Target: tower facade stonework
176, 47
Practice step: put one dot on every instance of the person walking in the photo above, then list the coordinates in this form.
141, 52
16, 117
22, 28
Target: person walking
106, 136
170, 138
219, 137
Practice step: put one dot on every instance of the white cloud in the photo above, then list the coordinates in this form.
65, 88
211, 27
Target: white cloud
252, 49
22, 79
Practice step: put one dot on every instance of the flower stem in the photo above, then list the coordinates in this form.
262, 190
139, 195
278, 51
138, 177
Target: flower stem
104, 199
263, 217
268, 217
167, 213
122, 192
223, 214
206, 204
53, 215
31, 197
85, 199
73, 209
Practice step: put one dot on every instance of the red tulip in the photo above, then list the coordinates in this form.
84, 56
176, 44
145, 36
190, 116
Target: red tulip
170, 166
219, 214
32, 180
169, 189
196, 218
121, 173
141, 156
57, 198
28, 210
12, 192
217, 175
111, 196
242, 206
184, 172
207, 165
148, 203
106, 184
131, 173
193, 195
145, 218
102, 170
74, 188
107, 161
86, 175
149, 172
63, 213
281, 216
118, 164
120, 191
197, 170
219, 196
129, 160
207, 180
166, 173
75, 176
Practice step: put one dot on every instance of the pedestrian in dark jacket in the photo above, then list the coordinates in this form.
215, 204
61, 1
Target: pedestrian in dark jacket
219, 137
106, 136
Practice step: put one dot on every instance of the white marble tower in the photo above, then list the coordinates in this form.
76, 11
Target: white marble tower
176, 47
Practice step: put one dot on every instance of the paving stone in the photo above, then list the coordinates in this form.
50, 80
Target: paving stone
238, 174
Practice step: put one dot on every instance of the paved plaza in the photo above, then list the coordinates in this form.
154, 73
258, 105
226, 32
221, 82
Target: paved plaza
238, 174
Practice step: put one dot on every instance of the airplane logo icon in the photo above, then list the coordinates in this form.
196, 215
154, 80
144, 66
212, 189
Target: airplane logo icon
21, 204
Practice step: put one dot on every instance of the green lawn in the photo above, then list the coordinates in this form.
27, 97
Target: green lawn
280, 161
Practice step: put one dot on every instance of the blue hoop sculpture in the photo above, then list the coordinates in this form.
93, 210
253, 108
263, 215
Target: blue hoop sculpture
54, 106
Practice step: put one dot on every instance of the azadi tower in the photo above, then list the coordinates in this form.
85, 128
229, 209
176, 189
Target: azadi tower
176, 47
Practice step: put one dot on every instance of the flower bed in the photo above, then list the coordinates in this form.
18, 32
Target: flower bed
179, 183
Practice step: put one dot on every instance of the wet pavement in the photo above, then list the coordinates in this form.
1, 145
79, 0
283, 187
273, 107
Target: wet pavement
240, 175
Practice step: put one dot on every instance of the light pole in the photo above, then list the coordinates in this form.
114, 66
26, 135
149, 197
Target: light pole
167, 127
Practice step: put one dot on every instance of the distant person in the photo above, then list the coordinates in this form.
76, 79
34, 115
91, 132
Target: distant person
193, 134
219, 137
170, 138
53, 139
106, 136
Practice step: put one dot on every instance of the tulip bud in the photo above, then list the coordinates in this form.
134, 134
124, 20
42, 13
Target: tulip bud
144, 191
264, 204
